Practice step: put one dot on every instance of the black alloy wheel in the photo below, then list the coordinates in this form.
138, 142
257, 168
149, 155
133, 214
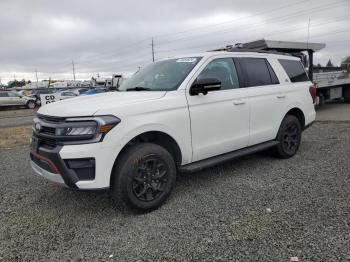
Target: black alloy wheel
150, 178
143, 177
289, 137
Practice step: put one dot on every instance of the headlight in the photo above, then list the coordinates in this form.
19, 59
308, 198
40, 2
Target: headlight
87, 128
76, 130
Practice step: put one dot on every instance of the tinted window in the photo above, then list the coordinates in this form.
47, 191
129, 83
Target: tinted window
3, 94
256, 72
222, 69
294, 70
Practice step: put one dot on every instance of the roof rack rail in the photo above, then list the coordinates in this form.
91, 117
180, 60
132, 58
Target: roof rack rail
251, 50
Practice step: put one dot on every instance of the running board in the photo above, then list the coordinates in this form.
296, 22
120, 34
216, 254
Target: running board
213, 161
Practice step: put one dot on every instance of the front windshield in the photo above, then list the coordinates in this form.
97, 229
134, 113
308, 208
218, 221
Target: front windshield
165, 75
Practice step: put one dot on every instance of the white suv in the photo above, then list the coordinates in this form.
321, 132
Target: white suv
180, 114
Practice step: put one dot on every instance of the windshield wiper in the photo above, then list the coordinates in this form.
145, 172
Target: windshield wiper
138, 88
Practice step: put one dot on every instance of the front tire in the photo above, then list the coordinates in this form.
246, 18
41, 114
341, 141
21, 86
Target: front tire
289, 137
143, 178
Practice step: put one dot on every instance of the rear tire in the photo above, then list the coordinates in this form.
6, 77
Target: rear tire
346, 94
31, 104
143, 177
289, 137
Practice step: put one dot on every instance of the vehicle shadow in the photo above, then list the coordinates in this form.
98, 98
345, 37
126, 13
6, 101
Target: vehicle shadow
92, 201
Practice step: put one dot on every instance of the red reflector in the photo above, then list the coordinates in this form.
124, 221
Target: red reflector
313, 93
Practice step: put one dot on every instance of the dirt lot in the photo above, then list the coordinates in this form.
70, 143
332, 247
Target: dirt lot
334, 112
16, 118
254, 209
14, 136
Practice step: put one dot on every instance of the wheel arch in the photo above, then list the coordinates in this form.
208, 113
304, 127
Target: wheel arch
298, 113
156, 137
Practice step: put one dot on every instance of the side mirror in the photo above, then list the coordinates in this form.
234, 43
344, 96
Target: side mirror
204, 86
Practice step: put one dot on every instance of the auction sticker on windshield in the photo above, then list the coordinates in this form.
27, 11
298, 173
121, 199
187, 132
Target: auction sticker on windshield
186, 60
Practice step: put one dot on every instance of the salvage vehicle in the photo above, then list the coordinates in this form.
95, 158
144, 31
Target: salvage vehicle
11, 98
181, 114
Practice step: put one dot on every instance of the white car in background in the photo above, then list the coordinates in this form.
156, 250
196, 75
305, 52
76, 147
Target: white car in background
11, 98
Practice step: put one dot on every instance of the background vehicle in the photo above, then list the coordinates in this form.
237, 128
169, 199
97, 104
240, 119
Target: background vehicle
37, 92
11, 98
184, 113
67, 94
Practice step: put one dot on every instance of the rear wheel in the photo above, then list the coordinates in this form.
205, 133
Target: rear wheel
31, 104
144, 177
289, 137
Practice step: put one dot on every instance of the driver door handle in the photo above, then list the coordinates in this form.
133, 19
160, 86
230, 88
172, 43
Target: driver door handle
238, 102
281, 96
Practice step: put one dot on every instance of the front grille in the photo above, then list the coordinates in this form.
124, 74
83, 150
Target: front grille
48, 142
48, 130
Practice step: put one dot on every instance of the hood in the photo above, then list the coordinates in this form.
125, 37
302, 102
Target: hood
88, 105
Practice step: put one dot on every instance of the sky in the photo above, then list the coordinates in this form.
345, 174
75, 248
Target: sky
107, 36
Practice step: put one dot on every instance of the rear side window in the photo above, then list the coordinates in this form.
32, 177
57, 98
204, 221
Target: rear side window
3, 94
257, 72
294, 70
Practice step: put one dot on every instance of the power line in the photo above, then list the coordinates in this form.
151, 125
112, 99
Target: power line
253, 26
276, 33
234, 20
141, 42
319, 8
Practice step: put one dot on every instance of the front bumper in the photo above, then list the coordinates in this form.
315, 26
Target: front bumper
80, 166
48, 175
86, 166
48, 163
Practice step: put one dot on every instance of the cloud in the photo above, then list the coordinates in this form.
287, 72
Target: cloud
115, 36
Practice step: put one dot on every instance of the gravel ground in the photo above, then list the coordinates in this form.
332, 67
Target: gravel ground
254, 209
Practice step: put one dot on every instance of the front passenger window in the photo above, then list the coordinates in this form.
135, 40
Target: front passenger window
222, 69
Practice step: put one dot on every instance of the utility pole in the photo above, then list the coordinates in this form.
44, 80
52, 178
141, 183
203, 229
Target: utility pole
36, 74
152, 50
308, 34
73, 70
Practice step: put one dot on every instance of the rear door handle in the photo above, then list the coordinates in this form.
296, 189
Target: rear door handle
238, 102
281, 96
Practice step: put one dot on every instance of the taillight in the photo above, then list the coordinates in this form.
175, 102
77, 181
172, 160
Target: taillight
313, 93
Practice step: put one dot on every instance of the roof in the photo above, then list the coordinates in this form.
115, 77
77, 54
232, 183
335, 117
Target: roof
284, 46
